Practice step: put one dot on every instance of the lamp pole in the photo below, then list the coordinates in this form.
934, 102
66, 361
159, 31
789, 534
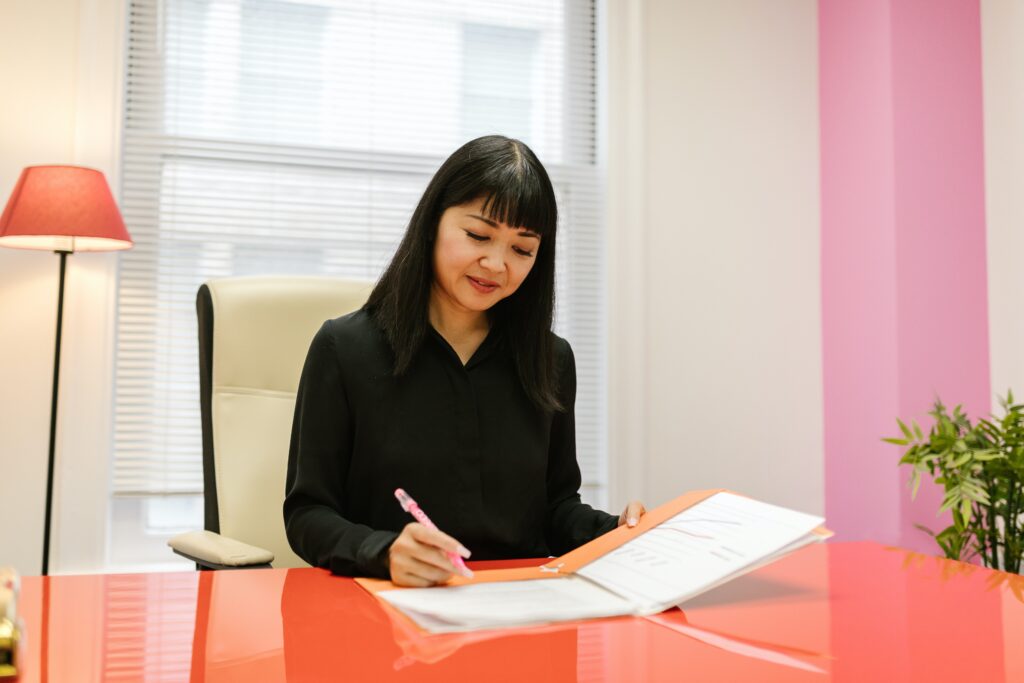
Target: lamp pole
53, 414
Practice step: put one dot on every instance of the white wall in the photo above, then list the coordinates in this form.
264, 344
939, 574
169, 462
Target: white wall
1002, 24
58, 64
714, 247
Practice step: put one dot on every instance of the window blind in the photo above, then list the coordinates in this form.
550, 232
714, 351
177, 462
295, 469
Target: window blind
272, 136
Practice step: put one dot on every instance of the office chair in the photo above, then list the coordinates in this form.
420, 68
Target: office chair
254, 333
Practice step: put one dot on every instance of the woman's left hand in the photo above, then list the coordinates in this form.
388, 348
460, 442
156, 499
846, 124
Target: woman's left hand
632, 514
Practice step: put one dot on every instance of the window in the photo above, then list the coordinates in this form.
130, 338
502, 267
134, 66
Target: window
271, 136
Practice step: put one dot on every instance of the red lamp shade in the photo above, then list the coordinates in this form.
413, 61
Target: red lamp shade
63, 208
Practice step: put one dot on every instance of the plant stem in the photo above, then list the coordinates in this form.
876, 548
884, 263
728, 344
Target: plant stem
993, 531
1012, 530
993, 536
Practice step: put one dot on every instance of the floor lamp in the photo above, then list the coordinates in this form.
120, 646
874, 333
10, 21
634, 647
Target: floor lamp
63, 209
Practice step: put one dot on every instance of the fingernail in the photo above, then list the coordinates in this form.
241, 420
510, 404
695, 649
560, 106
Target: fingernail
464, 552
631, 521
468, 573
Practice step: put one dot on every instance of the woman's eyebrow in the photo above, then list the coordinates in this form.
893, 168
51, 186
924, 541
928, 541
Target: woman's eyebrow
523, 232
488, 221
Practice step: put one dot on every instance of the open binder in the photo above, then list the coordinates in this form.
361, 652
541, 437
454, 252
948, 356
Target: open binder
685, 547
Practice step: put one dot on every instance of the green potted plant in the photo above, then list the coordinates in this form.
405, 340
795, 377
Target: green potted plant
981, 468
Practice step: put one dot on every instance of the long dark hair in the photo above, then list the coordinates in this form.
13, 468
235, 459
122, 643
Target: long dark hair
516, 191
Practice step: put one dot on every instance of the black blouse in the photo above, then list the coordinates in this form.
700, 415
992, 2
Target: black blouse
464, 441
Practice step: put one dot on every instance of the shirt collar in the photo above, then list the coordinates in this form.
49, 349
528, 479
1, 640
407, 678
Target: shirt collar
487, 347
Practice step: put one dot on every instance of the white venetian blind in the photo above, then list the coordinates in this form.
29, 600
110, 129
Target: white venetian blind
272, 136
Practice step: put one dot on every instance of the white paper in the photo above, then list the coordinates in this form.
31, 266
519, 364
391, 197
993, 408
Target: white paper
701, 547
506, 603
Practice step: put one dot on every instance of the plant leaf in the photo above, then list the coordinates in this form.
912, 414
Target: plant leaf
987, 455
946, 505
960, 460
925, 529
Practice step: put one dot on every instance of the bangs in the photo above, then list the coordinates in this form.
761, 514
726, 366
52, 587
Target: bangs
514, 187
522, 204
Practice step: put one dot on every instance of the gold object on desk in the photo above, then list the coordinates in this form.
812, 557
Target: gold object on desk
10, 631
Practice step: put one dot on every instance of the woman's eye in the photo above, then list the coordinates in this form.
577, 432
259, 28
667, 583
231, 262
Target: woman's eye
484, 238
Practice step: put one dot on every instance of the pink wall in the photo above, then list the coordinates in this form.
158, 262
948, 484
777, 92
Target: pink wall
903, 245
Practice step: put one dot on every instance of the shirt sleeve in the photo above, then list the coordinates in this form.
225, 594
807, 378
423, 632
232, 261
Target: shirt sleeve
570, 522
318, 462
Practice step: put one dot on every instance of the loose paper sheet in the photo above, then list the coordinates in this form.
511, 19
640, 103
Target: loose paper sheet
506, 603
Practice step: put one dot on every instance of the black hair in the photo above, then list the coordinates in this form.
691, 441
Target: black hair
516, 191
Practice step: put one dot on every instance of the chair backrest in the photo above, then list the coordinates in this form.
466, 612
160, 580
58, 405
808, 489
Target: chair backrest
254, 333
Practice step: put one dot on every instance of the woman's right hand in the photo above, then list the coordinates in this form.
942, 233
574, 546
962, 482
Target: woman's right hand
417, 557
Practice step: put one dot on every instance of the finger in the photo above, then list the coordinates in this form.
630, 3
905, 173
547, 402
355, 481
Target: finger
408, 545
425, 570
438, 539
633, 512
402, 578
442, 559
409, 570
429, 554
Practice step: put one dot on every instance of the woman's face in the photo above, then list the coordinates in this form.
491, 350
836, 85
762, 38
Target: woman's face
478, 261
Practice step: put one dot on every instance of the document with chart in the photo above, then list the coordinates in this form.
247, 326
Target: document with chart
679, 550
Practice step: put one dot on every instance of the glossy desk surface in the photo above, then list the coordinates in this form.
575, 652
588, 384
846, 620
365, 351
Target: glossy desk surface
838, 611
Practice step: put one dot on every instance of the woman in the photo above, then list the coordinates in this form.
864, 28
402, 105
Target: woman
448, 383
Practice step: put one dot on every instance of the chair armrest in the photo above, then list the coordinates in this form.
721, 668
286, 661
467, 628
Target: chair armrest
214, 551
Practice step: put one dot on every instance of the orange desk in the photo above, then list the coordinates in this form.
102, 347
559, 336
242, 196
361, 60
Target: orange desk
839, 611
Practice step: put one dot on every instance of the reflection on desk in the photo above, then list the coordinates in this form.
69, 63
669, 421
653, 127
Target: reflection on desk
839, 611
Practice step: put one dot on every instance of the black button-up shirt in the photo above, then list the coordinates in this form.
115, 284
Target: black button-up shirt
465, 441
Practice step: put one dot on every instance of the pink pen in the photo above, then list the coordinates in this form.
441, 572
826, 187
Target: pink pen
410, 506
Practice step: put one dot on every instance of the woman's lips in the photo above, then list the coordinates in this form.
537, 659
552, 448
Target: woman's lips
480, 286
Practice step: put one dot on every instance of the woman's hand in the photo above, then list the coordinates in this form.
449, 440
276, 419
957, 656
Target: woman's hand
632, 514
417, 557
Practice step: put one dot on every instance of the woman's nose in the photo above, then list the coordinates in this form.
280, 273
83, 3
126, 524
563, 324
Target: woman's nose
494, 260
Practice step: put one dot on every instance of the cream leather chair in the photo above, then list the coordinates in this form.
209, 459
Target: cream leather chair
254, 333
